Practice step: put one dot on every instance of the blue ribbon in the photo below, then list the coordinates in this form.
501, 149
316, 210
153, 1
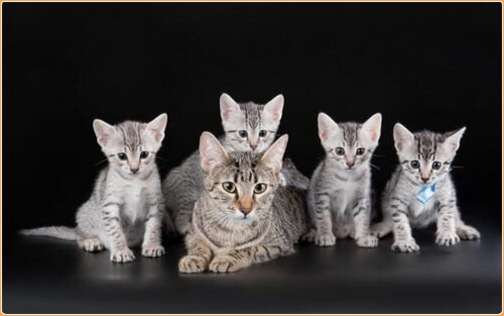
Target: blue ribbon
426, 193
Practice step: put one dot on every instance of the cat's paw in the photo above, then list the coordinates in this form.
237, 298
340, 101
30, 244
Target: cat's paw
409, 245
446, 238
153, 250
468, 233
380, 230
367, 241
91, 244
192, 264
310, 235
183, 228
325, 239
122, 255
224, 264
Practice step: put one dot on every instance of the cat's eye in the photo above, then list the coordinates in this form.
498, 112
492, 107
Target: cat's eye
262, 133
260, 188
144, 154
436, 165
229, 187
122, 156
340, 151
415, 164
360, 151
243, 133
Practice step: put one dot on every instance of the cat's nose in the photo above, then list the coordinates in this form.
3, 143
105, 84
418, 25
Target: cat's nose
425, 180
245, 210
253, 146
134, 170
350, 164
245, 206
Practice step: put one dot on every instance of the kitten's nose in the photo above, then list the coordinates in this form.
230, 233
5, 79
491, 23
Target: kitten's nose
253, 146
245, 206
245, 210
350, 164
425, 180
134, 170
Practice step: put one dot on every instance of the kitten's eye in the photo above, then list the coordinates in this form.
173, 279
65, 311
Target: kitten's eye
415, 164
359, 151
262, 133
229, 187
144, 155
243, 133
260, 188
122, 156
340, 151
436, 165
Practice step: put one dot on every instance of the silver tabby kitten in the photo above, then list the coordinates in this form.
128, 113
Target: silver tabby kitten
421, 190
126, 204
243, 216
339, 197
248, 127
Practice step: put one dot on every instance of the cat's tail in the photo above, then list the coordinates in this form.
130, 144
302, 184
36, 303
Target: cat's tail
61, 232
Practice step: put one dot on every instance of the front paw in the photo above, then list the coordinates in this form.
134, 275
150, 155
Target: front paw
468, 233
224, 264
409, 245
324, 239
122, 255
153, 250
367, 241
446, 238
192, 264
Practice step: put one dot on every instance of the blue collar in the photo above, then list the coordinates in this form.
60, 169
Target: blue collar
426, 193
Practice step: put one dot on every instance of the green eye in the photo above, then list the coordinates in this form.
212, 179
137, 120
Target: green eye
229, 187
260, 188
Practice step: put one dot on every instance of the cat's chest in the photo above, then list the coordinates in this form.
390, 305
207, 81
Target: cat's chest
135, 202
345, 193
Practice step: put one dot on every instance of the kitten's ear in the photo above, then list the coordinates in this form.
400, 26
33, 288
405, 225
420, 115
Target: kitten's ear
103, 132
228, 107
402, 137
326, 126
211, 152
372, 127
274, 155
157, 127
453, 140
274, 108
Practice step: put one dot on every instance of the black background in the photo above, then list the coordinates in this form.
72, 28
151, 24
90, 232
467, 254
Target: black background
426, 65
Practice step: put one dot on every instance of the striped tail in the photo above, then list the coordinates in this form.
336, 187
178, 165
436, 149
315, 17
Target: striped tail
61, 232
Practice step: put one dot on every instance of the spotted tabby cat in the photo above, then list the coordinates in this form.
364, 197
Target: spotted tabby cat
339, 197
421, 190
126, 204
248, 127
243, 216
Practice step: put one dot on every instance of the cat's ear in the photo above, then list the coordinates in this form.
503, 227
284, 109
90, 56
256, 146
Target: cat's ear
229, 109
274, 155
402, 137
211, 152
453, 139
157, 127
103, 131
326, 126
274, 108
372, 127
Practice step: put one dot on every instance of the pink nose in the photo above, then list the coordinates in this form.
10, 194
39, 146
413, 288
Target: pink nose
425, 180
350, 164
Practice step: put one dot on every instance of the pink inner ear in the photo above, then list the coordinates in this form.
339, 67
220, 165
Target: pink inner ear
374, 136
103, 139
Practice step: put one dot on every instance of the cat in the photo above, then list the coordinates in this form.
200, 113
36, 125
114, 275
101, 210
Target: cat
421, 190
125, 208
248, 127
243, 215
339, 196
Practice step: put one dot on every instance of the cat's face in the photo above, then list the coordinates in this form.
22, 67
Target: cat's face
349, 145
250, 126
131, 147
241, 184
425, 156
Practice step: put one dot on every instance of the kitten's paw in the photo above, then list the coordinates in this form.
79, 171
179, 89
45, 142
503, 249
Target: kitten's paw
468, 233
184, 228
91, 244
153, 250
192, 264
310, 235
122, 255
405, 246
380, 230
325, 239
446, 238
367, 241
224, 264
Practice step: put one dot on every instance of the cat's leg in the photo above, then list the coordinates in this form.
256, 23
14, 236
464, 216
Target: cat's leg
198, 256
466, 232
151, 246
320, 210
87, 242
361, 213
446, 234
342, 230
119, 251
403, 239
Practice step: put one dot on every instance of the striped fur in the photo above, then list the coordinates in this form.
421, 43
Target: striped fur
434, 154
125, 207
232, 230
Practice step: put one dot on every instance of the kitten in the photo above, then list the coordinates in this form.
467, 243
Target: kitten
126, 204
248, 127
421, 190
243, 216
339, 197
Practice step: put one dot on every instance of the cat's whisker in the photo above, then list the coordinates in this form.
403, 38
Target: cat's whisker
100, 162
